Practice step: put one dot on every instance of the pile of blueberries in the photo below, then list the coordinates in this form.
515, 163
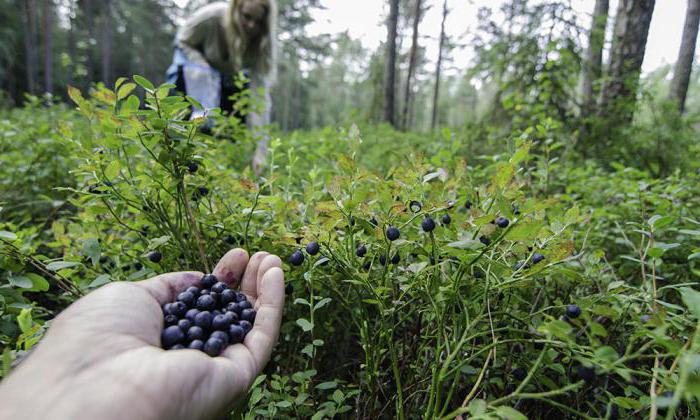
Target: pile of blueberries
207, 318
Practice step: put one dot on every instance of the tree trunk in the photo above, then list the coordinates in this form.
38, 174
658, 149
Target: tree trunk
48, 46
106, 42
411, 65
684, 65
592, 69
71, 42
438, 68
31, 46
390, 62
626, 56
88, 14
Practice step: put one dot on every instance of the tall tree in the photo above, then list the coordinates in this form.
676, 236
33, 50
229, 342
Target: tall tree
438, 67
626, 56
31, 46
684, 64
106, 42
390, 63
592, 69
48, 45
411, 64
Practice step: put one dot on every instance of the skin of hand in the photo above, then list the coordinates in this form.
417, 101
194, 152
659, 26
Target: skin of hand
101, 358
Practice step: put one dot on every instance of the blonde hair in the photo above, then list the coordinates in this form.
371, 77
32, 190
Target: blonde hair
260, 54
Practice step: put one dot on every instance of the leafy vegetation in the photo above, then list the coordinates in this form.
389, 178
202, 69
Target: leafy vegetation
540, 287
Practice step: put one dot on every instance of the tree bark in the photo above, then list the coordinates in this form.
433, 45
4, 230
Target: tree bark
684, 64
31, 46
390, 63
48, 46
592, 69
107, 42
626, 57
438, 67
411, 65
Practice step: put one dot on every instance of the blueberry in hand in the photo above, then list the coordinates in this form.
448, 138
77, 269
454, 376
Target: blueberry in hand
573, 311
221, 335
392, 233
214, 346
206, 303
196, 345
219, 287
184, 324
170, 319
235, 334
191, 314
178, 309
187, 298
248, 315
502, 222
428, 224
312, 248
154, 256
297, 258
203, 319
220, 322
209, 280
246, 325
227, 296
194, 290
195, 333
172, 335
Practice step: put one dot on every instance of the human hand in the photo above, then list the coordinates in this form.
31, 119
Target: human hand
101, 357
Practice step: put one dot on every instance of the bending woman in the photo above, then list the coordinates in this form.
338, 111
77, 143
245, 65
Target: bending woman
217, 42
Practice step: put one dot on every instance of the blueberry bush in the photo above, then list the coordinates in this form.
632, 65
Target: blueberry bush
446, 275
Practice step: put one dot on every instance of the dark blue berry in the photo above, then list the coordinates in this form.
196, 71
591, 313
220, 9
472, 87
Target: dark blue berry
195, 333
428, 224
192, 167
219, 287
209, 280
382, 259
216, 312
220, 322
297, 258
312, 248
227, 296
191, 314
204, 292
221, 335
537, 257
177, 347
172, 335
154, 256
248, 315
214, 346
246, 325
138, 266
235, 334
232, 316
519, 373
178, 309
415, 206
203, 319
166, 308
502, 222
170, 319
373, 221
233, 307
202, 191
196, 345
586, 373
244, 305
194, 290
573, 311
484, 240
468, 205
392, 233
241, 297
446, 219
395, 259
538, 345
184, 324
645, 318
206, 303
288, 289
361, 251
187, 298
216, 297
230, 239
518, 265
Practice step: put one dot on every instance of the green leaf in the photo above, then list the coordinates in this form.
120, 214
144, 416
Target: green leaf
691, 298
100, 280
39, 284
125, 90
659, 221
466, 244
477, 407
23, 282
283, 404
510, 413
7, 235
112, 170
628, 403
557, 328
24, 320
327, 385
304, 324
144, 83
323, 302
61, 265
91, 249
523, 231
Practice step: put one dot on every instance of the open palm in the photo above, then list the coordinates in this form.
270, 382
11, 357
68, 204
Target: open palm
102, 358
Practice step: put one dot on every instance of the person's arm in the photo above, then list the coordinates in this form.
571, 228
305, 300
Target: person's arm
192, 34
